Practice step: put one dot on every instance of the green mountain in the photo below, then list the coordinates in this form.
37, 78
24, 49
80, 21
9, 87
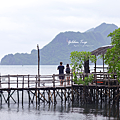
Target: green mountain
62, 45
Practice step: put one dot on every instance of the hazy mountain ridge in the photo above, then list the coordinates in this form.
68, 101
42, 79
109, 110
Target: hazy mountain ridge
62, 45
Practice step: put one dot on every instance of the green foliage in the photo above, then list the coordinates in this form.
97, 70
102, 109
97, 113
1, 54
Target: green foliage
86, 81
77, 61
112, 57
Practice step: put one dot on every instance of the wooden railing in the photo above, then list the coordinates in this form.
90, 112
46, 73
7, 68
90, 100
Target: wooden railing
32, 81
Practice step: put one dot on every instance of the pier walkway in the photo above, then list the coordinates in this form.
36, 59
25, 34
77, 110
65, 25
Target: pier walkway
46, 88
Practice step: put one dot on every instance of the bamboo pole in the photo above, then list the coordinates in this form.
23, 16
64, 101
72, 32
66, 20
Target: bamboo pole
38, 67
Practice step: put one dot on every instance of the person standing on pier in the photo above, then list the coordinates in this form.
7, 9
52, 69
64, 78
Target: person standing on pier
61, 73
68, 74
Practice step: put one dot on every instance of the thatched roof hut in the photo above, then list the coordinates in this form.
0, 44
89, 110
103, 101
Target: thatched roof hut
101, 50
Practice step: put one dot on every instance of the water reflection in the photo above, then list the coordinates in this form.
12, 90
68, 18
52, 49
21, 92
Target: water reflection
65, 110
88, 109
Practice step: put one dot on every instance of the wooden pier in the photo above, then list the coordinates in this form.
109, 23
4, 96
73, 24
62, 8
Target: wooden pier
46, 88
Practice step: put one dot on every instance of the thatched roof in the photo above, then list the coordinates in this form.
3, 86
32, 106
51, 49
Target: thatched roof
101, 50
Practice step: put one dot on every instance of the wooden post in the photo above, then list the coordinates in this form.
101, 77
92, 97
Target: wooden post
28, 81
22, 97
17, 81
22, 89
118, 94
64, 81
53, 80
65, 86
36, 97
8, 81
18, 95
0, 80
8, 98
105, 94
49, 96
54, 88
17, 90
113, 95
118, 111
36, 82
38, 66
72, 95
23, 82
103, 63
1, 96
101, 94
95, 64
71, 79
72, 87
29, 96
95, 78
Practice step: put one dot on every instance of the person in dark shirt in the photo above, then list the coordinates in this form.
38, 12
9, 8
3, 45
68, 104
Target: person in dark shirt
61, 73
68, 74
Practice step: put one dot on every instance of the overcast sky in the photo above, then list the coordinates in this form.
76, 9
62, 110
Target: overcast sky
26, 23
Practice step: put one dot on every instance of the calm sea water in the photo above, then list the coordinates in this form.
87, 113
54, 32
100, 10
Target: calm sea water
60, 111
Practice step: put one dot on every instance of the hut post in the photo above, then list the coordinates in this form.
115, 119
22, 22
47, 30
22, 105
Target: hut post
95, 64
0, 80
103, 63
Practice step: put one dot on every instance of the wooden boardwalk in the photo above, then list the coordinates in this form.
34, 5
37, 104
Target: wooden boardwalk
15, 88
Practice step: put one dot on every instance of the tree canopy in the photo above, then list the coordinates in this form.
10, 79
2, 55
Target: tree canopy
77, 61
112, 57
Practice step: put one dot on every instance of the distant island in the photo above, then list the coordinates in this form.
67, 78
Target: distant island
62, 45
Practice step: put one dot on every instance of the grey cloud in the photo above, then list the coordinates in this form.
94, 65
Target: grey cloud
39, 24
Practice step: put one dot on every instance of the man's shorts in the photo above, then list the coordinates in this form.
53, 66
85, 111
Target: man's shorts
61, 77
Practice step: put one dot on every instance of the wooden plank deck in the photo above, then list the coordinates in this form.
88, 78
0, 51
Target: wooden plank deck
48, 88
